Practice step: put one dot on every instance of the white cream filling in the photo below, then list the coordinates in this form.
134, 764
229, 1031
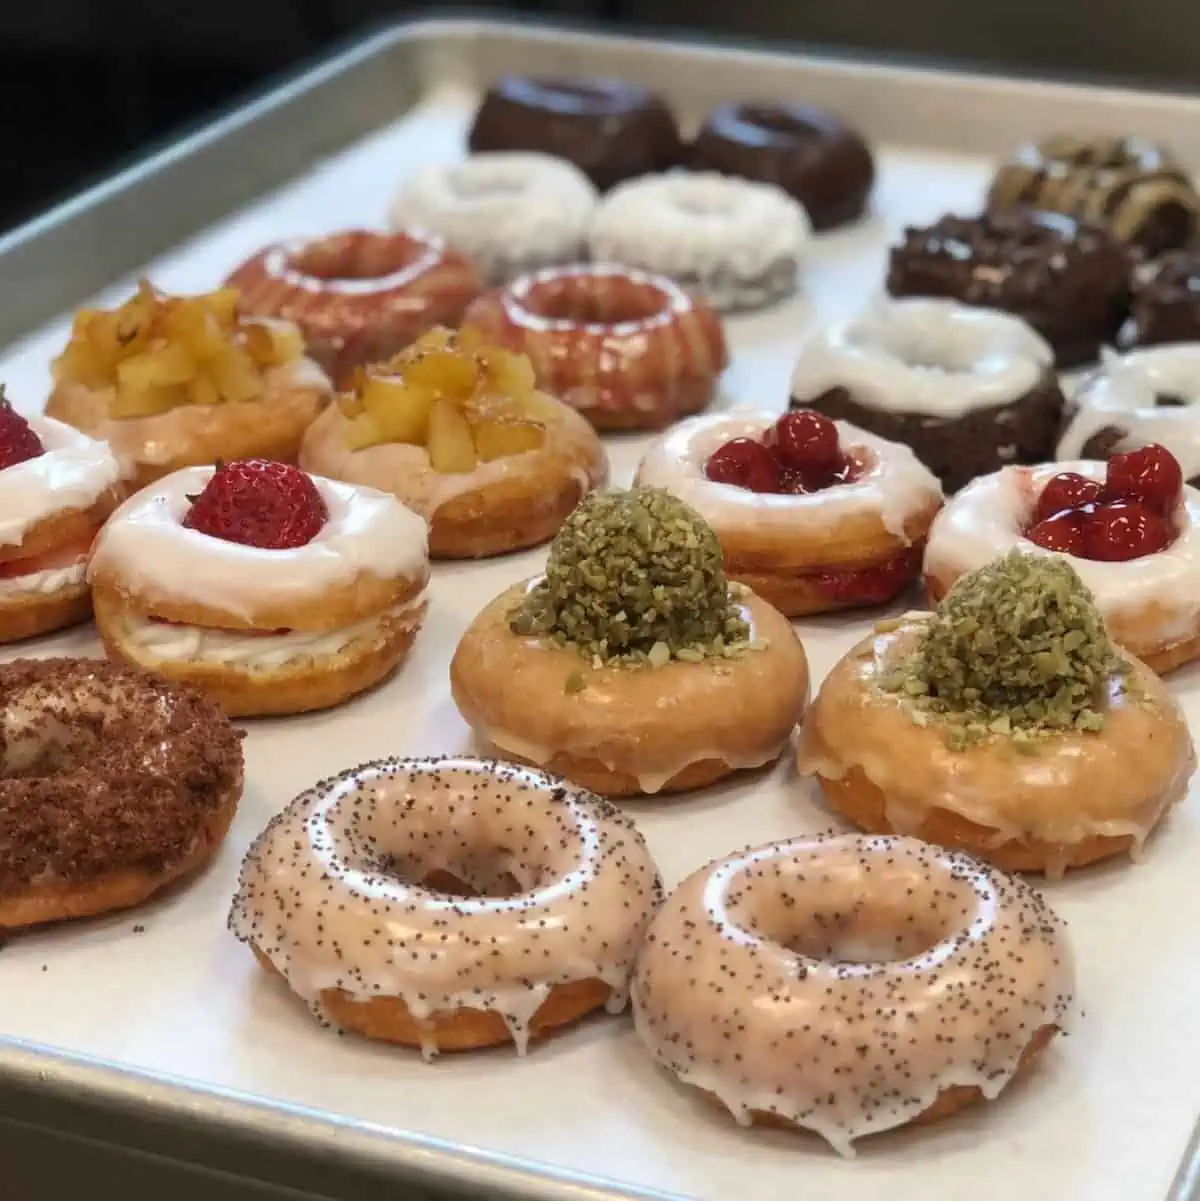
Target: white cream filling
45, 583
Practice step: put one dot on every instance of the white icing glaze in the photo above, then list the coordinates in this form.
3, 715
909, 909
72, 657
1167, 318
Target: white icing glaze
984, 521
895, 485
174, 643
507, 212
45, 583
737, 242
146, 544
934, 357
74, 473
331, 892
843, 983
1122, 394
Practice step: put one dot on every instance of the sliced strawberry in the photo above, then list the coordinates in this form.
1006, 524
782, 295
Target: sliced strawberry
259, 503
18, 443
66, 554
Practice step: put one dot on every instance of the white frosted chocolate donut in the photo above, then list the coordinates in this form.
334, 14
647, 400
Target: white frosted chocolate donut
799, 551
1135, 399
969, 389
449, 903
736, 243
1151, 605
263, 631
51, 508
507, 212
1060, 802
850, 985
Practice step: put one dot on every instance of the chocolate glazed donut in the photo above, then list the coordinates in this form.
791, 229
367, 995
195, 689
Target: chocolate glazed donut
806, 151
609, 129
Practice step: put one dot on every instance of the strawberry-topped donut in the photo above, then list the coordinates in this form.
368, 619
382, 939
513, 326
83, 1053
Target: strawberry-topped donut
1130, 527
272, 590
630, 350
57, 488
358, 296
812, 514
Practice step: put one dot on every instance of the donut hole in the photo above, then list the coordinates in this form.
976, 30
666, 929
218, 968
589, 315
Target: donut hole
503, 884
580, 95
56, 747
867, 934
1170, 400
588, 301
779, 122
362, 257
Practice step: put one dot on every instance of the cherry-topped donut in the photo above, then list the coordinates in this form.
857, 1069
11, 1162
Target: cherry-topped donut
1130, 526
812, 514
1126, 516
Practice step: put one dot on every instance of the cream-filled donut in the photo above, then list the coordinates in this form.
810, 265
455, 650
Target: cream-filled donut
1151, 604
1135, 399
57, 488
508, 212
734, 242
303, 623
850, 985
846, 533
373, 893
969, 389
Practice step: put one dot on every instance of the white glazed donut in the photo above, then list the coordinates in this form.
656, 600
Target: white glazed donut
1135, 399
449, 903
1151, 604
850, 985
75, 472
736, 243
509, 213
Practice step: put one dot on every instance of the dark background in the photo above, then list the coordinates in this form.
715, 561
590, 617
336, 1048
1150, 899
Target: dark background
84, 84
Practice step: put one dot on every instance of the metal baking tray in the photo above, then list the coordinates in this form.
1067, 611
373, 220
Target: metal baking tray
156, 1030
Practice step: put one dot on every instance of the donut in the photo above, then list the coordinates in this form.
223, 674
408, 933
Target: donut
851, 985
1143, 568
356, 296
1069, 280
57, 488
1166, 301
632, 667
181, 381
1135, 187
509, 213
808, 152
495, 469
735, 244
372, 893
270, 590
112, 785
1136, 399
609, 129
968, 389
1006, 724
842, 524
628, 349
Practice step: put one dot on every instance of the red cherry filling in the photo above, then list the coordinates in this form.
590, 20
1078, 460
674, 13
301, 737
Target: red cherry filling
18, 442
870, 585
799, 454
1126, 517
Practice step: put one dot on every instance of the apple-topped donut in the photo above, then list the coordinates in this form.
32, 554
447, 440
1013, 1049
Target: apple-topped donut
632, 665
173, 381
812, 514
456, 428
272, 590
1130, 526
1129, 514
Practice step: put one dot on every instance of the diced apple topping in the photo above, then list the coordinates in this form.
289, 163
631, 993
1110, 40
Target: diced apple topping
158, 352
465, 401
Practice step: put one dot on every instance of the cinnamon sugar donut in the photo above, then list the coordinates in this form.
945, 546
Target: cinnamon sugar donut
358, 297
629, 350
372, 894
850, 985
112, 785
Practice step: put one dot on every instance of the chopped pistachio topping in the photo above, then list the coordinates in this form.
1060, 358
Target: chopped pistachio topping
1017, 649
635, 577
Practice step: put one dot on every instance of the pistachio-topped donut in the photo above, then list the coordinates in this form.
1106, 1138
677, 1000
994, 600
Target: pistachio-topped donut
1005, 723
632, 665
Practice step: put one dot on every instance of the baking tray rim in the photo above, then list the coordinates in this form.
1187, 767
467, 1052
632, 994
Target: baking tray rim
37, 1073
